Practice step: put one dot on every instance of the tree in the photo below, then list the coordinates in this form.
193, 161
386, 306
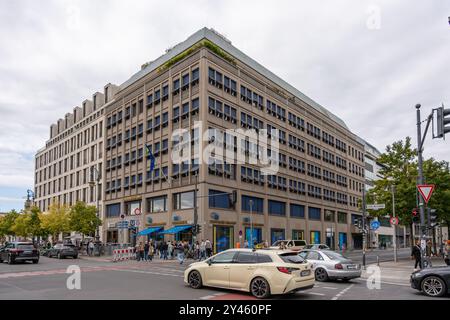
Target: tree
83, 218
7, 222
56, 220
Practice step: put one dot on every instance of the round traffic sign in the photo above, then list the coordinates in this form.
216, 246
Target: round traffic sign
137, 211
375, 225
122, 216
393, 221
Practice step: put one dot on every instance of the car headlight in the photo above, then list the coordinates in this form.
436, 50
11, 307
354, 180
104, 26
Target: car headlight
417, 274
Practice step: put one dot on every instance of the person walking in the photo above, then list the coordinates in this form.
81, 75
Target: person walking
170, 250
208, 248
91, 248
141, 251
180, 254
415, 254
164, 250
246, 243
202, 250
151, 251
146, 249
447, 253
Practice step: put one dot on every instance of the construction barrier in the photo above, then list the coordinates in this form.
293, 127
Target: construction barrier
123, 254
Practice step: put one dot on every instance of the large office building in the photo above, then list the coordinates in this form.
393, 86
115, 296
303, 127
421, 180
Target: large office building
207, 83
68, 169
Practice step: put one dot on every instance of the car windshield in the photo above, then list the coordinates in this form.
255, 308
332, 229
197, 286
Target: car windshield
278, 243
333, 255
25, 246
291, 257
68, 246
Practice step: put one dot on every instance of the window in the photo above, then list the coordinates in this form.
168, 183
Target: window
225, 257
183, 200
112, 210
131, 206
314, 213
246, 257
298, 235
297, 211
257, 204
185, 82
329, 216
157, 204
277, 208
342, 217
219, 199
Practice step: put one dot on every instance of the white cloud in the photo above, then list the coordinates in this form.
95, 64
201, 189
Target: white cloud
51, 59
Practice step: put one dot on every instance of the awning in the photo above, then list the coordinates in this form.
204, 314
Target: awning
176, 229
149, 231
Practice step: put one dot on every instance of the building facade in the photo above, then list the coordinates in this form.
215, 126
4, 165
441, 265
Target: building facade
206, 83
73, 155
384, 235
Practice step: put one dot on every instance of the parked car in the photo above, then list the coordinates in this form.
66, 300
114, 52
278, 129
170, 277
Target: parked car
62, 251
294, 245
19, 251
433, 282
317, 247
260, 272
330, 265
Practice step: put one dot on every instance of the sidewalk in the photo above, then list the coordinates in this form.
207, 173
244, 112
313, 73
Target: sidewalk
400, 272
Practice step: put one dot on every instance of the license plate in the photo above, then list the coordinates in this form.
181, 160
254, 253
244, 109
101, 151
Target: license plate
305, 273
351, 267
28, 252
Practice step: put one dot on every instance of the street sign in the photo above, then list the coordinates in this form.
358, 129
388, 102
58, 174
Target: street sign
132, 223
375, 225
122, 216
122, 224
240, 232
426, 190
137, 211
376, 206
394, 221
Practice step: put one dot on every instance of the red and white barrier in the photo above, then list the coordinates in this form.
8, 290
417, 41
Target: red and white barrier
123, 254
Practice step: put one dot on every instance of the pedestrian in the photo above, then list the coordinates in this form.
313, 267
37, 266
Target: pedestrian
146, 249
429, 249
170, 250
141, 251
165, 247
208, 248
246, 243
180, 254
91, 248
447, 253
202, 250
151, 251
415, 254
266, 244
197, 250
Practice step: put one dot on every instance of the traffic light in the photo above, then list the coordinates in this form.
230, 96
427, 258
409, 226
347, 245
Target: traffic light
415, 216
443, 122
433, 218
357, 223
199, 229
232, 197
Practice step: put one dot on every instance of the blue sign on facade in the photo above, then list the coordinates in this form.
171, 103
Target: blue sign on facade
375, 225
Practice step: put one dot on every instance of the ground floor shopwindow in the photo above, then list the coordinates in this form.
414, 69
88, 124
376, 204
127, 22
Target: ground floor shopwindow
330, 238
277, 234
314, 237
256, 237
357, 241
184, 236
342, 240
112, 236
298, 235
223, 238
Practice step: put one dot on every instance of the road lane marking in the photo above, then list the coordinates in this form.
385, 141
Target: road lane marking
342, 292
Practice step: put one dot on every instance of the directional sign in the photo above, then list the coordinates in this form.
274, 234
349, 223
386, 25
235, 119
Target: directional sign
426, 191
375, 225
394, 221
376, 206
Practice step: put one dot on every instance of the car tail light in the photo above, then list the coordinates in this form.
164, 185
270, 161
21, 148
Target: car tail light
286, 270
15, 250
338, 266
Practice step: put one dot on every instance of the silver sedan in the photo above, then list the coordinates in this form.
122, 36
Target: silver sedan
330, 265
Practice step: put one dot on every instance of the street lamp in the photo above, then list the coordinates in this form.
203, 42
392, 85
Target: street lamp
94, 180
395, 226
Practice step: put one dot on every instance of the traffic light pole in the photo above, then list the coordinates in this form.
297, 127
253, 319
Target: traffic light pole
420, 142
194, 235
363, 223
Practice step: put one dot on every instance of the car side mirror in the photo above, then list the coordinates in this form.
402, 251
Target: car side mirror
209, 262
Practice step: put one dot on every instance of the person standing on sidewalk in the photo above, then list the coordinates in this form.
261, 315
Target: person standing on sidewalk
202, 250
180, 254
208, 248
165, 247
415, 254
146, 249
91, 248
151, 251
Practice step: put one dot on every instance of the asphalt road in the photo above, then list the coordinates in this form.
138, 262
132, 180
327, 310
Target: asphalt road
383, 255
156, 280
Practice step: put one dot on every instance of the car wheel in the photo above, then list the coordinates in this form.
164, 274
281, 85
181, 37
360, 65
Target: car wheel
433, 286
195, 280
321, 275
259, 288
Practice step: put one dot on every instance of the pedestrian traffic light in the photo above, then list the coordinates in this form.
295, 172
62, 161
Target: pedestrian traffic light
433, 218
199, 229
415, 216
443, 122
357, 223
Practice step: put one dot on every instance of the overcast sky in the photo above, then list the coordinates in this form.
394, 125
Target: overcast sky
369, 62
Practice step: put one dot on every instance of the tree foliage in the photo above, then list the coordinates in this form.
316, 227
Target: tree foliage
83, 218
56, 220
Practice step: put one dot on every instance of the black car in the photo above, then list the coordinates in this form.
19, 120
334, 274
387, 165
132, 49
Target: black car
19, 251
62, 251
434, 282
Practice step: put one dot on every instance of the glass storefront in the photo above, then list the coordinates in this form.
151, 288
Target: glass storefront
112, 236
223, 238
257, 235
184, 236
315, 237
330, 238
342, 240
277, 234
298, 235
